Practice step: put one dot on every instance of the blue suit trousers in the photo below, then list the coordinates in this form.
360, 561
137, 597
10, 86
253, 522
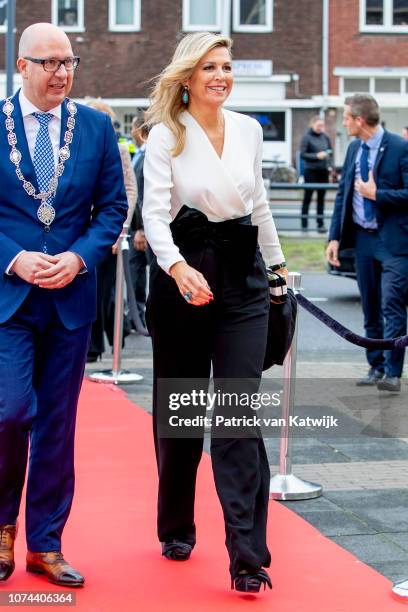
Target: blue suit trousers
383, 283
41, 370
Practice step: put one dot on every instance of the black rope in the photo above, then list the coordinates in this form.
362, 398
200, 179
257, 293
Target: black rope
370, 343
133, 310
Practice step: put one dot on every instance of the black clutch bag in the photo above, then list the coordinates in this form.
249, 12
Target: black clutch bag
281, 327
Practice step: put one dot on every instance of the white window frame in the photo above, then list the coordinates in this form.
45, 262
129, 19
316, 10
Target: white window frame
239, 27
134, 27
207, 27
80, 27
387, 25
371, 89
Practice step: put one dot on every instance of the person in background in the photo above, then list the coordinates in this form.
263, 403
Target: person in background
404, 133
371, 215
139, 250
316, 152
106, 270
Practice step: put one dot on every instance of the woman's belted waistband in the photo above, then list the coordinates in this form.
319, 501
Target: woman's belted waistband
235, 239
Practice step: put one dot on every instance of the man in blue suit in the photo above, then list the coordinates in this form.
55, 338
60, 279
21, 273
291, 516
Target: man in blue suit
371, 214
62, 205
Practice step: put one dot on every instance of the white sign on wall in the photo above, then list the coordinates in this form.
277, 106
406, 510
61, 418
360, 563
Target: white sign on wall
252, 68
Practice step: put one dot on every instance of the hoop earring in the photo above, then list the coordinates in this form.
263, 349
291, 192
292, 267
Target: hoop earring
185, 96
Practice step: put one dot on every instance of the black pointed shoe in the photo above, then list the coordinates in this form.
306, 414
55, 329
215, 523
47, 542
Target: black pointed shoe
7, 536
176, 550
251, 583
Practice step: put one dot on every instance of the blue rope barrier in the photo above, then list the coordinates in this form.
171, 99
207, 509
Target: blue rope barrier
378, 343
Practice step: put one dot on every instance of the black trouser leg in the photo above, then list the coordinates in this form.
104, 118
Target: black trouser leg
314, 176
180, 351
321, 176
307, 198
240, 464
232, 333
138, 261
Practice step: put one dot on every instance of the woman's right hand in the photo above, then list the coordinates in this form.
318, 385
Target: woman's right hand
191, 282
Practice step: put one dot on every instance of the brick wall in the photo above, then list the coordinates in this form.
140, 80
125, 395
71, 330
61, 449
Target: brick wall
349, 47
119, 64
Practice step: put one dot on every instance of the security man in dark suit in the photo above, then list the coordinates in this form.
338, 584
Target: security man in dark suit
371, 214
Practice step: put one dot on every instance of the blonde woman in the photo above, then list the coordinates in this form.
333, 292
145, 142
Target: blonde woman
204, 210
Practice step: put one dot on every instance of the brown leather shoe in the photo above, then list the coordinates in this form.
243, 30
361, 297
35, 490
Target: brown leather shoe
7, 536
54, 566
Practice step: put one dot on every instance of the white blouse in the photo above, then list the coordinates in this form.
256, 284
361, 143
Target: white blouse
222, 188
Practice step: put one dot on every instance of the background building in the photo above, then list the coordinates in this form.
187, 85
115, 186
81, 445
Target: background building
368, 41
124, 43
293, 58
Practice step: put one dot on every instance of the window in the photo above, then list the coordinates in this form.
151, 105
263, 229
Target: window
3, 15
384, 16
374, 12
387, 86
253, 15
127, 123
400, 12
124, 15
273, 124
375, 84
68, 14
356, 85
199, 15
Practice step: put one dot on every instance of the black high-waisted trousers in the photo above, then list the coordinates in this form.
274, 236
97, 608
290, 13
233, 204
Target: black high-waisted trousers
228, 334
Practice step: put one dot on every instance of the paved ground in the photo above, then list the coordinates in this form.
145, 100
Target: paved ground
364, 507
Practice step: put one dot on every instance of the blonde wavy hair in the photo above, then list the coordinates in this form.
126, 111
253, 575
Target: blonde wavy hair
166, 102
103, 107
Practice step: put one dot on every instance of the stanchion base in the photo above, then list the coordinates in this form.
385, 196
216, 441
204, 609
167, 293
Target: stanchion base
400, 590
289, 487
123, 377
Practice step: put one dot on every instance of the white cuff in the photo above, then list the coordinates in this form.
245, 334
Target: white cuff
11, 264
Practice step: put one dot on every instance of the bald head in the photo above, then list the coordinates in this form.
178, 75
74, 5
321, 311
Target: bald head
40, 35
41, 41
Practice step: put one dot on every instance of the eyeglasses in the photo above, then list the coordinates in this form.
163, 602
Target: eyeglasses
52, 64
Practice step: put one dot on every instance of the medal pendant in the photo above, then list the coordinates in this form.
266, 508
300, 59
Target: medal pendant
8, 108
72, 109
46, 214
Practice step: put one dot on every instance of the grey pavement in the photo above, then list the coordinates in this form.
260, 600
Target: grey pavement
364, 507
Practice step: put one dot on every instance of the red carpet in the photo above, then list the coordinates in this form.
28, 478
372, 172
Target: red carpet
111, 538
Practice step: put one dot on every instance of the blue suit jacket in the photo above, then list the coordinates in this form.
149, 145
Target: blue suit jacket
391, 205
90, 206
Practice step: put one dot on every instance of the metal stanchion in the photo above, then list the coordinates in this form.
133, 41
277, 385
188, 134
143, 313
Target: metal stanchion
285, 485
400, 590
116, 375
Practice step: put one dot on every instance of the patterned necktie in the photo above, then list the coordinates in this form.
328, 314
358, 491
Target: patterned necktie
43, 153
368, 205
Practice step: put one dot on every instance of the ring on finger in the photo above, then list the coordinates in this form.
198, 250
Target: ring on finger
188, 296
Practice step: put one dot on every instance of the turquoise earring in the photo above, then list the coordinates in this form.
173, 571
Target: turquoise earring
184, 96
